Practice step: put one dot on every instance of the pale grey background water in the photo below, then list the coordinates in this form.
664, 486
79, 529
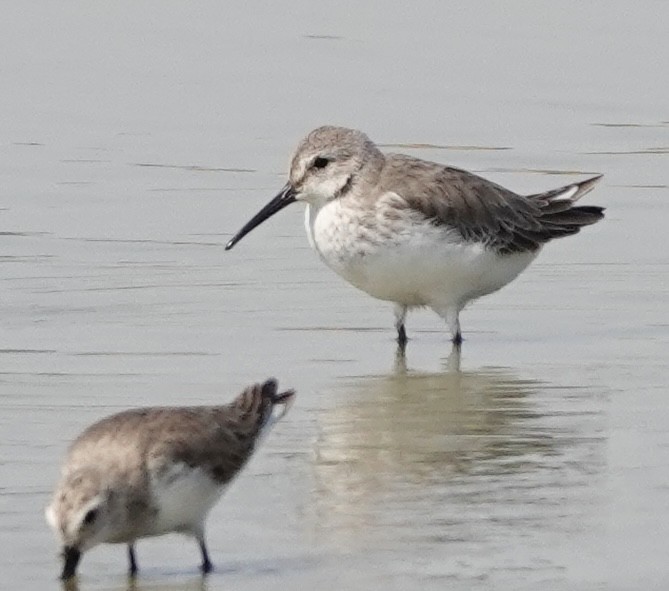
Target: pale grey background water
137, 136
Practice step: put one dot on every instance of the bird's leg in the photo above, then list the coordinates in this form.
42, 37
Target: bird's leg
402, 336
400, 316
206, 566
132, 559
400, 364
452, 317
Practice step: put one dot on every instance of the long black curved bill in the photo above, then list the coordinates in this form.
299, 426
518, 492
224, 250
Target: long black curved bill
71, 556
286, 197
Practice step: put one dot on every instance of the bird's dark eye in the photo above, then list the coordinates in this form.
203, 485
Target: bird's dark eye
91, 516
320, 162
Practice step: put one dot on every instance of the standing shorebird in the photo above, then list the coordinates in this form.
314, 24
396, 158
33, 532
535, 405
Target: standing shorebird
418, 233
151, 471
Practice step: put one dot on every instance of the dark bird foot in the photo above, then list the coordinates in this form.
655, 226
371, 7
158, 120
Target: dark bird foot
132, 560
206, 567
402, 338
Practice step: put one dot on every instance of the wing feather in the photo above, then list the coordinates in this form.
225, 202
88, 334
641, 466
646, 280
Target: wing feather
482, 211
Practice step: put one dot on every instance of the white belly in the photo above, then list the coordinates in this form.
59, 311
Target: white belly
184, 496
409, 261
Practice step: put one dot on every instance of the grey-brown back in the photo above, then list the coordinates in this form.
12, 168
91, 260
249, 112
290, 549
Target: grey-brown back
218, 439
482, 211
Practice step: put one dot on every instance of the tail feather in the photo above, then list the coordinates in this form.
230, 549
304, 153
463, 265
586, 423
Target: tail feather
554, 216
576, 216
556, 206
559, 216
569, 193
546, 233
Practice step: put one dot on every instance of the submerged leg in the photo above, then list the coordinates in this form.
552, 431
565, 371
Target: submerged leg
206, 566
452, 364
453, 320
400, 316
132, 559
400, 364
452, 317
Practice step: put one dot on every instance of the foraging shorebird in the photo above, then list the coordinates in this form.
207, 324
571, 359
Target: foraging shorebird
414, 232
151, 471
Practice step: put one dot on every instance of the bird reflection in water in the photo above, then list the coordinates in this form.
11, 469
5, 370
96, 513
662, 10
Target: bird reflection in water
191, 583
414, 447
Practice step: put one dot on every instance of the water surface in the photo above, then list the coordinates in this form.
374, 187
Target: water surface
138, 137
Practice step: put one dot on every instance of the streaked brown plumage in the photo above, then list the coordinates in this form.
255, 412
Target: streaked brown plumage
150, 471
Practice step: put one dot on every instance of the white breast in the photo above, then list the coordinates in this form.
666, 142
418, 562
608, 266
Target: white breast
405, 258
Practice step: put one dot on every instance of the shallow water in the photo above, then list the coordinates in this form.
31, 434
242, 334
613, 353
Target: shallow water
138, 138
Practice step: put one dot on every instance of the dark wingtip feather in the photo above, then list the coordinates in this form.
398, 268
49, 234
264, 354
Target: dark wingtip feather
558, 216
583, 215
593, 210
586, 186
